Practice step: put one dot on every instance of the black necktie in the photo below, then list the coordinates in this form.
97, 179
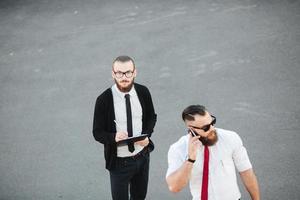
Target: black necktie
129, 121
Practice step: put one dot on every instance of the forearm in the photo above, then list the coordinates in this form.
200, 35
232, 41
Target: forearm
250, 181
104, 137
100, 132
179, 179
149, 124
150, 115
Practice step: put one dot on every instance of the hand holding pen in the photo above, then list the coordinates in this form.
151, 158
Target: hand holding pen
120, 135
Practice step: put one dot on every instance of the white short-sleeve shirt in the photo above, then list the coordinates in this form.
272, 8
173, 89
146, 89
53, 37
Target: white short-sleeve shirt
226, 155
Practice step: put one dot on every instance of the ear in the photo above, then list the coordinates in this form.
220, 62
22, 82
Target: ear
113, 75
134, 73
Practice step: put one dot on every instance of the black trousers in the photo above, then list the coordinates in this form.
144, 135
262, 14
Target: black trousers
130, 174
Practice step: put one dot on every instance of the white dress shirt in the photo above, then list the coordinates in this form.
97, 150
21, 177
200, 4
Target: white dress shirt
226, 155
121, 118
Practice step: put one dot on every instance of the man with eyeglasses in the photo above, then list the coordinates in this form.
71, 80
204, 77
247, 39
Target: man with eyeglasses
123, 111
207, 157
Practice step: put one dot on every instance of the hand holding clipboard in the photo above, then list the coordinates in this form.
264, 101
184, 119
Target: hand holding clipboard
133, 139
130, 139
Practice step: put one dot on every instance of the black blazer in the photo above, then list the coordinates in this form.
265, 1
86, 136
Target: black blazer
104, 128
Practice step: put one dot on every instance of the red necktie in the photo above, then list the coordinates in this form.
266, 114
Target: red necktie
204, 190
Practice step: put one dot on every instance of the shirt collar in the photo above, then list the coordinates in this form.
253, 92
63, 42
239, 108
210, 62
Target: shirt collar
132, 92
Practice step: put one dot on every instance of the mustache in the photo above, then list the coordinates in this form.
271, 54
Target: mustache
207, 141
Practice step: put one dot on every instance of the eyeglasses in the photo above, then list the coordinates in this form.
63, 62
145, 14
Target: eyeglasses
205, 128
120, 74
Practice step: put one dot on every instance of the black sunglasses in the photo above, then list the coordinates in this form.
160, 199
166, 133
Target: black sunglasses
205, 128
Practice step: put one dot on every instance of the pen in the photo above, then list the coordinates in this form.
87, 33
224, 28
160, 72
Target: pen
117, 124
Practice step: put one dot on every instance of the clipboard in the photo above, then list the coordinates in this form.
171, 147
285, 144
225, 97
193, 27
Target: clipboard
132, 139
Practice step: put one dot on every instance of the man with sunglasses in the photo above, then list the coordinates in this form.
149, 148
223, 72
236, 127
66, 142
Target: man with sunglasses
207, 157
125, 110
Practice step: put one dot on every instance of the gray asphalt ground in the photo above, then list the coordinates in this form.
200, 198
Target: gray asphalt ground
239, 58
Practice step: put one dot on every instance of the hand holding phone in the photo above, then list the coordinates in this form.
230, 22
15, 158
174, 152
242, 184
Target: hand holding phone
194, 143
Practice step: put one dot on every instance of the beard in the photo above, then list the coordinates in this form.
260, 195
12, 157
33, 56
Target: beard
210, 139
122, 88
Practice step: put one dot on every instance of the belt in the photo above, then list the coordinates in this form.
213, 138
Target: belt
136, 156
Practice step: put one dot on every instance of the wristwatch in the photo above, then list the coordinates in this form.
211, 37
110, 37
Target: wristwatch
191, 160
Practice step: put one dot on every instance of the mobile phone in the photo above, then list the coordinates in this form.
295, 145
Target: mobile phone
192, 132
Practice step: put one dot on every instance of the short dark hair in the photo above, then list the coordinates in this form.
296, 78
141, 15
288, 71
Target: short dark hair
123, 59
188, 112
